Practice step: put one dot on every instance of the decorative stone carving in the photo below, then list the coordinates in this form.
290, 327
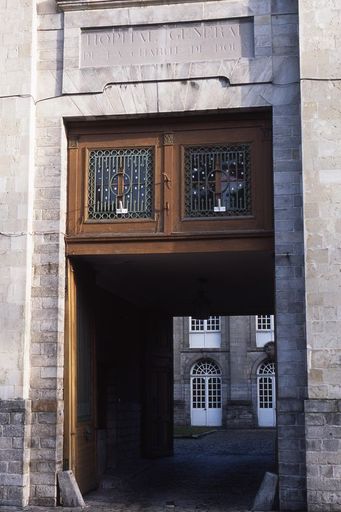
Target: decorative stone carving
167, 43
103, 50
269, 349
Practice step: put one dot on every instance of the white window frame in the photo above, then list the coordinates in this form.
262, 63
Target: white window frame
205, 324
261, 319
265, 329
201, 333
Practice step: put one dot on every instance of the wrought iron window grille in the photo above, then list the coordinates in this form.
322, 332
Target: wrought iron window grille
120, 184
217, 180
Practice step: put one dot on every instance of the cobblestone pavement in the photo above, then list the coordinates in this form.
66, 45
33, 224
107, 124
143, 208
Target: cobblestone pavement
215, 473
218, 472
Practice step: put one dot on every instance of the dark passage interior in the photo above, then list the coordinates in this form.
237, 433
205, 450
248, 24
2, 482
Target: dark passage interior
218, 472
124, 379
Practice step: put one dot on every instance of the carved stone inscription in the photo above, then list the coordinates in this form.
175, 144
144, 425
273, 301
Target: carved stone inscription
171, 43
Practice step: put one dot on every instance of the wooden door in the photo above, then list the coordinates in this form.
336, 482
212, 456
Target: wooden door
158, 389
81, 411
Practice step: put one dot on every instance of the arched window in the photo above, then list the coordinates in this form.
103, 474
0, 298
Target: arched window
205, 367
206, 407
266, 391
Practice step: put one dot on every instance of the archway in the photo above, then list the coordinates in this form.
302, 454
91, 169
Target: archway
141, 262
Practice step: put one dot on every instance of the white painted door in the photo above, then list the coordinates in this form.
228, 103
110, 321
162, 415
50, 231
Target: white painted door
198, 401
266, 391
206, 394
213, 409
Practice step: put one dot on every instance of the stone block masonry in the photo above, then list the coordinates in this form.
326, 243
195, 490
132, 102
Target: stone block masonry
46, 450
15, 419
320, 63
323, 441
33, 191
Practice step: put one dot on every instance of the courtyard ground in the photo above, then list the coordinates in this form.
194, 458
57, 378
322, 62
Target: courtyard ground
218, 472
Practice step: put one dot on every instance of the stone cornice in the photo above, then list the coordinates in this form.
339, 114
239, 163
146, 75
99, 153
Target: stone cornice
79, 5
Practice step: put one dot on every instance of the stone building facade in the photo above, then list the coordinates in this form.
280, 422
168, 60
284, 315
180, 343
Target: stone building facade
283, 59
239, 349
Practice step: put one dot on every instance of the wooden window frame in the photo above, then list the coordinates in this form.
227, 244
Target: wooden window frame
169, 139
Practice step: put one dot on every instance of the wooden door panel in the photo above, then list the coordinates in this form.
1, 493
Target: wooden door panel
169, 141
81, 441
158, 389
80, 162
258, 215
85, 469
161, 416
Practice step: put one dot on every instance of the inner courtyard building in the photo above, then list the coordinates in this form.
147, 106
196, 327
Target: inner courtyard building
224, 372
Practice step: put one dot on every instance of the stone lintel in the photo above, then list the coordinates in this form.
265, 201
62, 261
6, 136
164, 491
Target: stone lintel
78, 5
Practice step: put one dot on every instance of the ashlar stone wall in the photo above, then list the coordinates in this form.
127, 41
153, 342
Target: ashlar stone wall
321, 130
270, 80
17, 143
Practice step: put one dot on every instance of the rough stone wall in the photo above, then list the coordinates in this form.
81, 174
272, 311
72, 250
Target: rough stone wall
15, 417
323, 432
239, 415
321, 133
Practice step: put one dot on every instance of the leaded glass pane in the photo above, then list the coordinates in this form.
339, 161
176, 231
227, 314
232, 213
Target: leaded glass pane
120, 183
217, 181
